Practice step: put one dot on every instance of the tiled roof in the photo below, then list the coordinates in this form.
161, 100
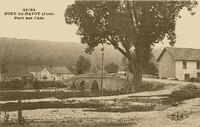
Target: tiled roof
58, 70
187, 54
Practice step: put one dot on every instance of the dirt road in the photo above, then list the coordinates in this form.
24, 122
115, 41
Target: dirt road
82, 117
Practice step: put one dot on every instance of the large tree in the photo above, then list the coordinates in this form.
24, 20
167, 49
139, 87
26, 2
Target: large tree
148, 66
83, 65
127, 25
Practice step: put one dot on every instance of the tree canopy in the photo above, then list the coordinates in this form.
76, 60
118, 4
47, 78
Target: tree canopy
127, 25
83, 65
111, 68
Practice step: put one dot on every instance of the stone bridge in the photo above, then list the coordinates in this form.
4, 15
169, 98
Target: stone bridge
109, 82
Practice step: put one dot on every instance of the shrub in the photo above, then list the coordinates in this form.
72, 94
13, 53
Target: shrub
187, 92
13, 85
190, 87
175, 79
46, 84
192, 79
184, 94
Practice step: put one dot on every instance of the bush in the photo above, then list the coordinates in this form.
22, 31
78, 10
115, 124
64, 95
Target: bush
175, 79
190, 87
187, 92
13, 85
192, 79
46, 84
111, 68
184, 94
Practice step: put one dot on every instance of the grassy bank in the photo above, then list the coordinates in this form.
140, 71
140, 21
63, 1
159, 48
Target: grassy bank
92, 105
14, 95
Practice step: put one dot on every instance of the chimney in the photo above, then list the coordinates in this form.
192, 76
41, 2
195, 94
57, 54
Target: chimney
51, 66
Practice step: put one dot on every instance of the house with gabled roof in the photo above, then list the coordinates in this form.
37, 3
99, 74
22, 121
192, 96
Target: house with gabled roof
55, 73
35, 71
179, 63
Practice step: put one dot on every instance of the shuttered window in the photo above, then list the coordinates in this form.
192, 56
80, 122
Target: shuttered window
184, 65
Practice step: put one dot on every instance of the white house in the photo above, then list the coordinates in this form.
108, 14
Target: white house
180, 63
54, 74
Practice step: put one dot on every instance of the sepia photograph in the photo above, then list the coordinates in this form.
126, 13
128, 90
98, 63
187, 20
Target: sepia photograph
99, 63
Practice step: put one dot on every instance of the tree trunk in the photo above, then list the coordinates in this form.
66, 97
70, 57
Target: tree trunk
137, 78
136, 70
137, 67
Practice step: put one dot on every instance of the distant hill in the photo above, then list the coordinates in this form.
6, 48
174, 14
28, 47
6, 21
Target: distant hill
39, 52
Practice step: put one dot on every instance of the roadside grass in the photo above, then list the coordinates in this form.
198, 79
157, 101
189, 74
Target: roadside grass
12, 106
14, 95
112, 105
151, 86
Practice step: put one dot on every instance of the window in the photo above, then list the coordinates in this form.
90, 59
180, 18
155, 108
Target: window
184, 65
198, 75
198, 65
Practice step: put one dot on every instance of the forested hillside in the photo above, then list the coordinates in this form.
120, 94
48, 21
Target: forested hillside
38, 52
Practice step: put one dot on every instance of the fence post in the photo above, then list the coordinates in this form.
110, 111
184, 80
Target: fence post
19, 112
20, 118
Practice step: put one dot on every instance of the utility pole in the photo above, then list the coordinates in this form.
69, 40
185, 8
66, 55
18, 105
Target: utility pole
102, 49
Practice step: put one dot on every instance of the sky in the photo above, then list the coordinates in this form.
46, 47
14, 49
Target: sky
54, 28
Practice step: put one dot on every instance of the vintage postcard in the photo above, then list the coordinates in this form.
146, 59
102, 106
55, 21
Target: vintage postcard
99, 63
